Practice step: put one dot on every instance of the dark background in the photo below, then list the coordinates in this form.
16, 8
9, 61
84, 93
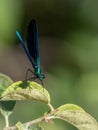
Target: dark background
68, 40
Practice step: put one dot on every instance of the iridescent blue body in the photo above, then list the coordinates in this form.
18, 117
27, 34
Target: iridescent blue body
32, 50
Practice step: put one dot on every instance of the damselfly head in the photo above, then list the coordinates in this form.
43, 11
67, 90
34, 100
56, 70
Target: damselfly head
41, 77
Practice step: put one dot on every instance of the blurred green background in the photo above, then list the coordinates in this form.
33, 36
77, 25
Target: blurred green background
68, 40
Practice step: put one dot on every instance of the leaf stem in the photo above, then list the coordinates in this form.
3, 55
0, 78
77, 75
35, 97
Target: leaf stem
31, 123
51, 107
6, 121
28, 124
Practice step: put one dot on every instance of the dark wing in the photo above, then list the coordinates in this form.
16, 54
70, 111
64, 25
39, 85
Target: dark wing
32, 42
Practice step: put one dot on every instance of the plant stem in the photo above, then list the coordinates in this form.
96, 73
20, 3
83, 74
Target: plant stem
28, 124
46, 117
51, 107
6, 121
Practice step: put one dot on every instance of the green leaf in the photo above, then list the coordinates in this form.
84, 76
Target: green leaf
20, 126
5, 81
6, 107
26, 90
76, 116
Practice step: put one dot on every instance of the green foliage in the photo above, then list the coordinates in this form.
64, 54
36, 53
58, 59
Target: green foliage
27, 90
5, 81
76, 116
6, 107
20, 126
71, 28
10, 11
